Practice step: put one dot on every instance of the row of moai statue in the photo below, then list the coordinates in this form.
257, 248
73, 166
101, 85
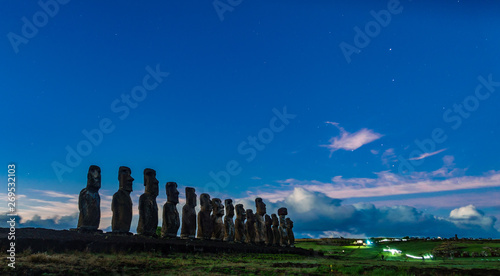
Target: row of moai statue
259, 228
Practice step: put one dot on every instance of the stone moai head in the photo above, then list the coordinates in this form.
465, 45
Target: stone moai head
240, 211
289, 223
229, 207
275, 220
282, 211
250, 215
172, 192
125, 179
205, 203
150, 182
218, 207
268, 220
94, 178
261, 206
190, 197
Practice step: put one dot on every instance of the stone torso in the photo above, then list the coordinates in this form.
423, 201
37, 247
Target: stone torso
240, 235
276, 235
89, 204
171, 221
122, 211
260, 229
283, 231
218, 226
148, 215
269, 234
291, 236
188, 229
250, 229
205, 225
228, 229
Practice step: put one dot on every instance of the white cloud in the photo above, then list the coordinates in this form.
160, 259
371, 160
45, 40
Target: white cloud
466, 212
468, 216
351, 141
427, 154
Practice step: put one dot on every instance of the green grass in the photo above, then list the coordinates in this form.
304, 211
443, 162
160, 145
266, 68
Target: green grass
354, 260
477, 246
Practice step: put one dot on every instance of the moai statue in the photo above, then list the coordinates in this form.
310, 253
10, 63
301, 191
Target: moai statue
148, 208
260, 225
250, 226
269, 230
188, 228
228, 221
218, 225
205, 225
89, 201
171, 221
276, 231
239, 224
289, 231
282, 212
121, 205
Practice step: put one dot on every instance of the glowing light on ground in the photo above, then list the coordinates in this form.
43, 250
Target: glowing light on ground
425, 257
393, 251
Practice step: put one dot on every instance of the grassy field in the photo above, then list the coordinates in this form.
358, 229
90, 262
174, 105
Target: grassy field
338, 260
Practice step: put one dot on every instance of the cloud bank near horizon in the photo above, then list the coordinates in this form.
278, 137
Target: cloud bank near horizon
315, 212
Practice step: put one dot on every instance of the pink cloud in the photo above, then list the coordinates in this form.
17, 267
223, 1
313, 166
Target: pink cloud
387, 183
426, 154
482, 200
351, 141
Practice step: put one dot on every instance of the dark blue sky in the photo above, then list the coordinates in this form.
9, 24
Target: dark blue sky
225, 79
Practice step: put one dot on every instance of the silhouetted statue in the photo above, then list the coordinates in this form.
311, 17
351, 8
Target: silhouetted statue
217, 214
205, 225
289, 232
239, 224
269, 230
148, 208
276, 231
250, 226
228, 221
89, 201
260, 225
282, 212
188, 228
171, 221
121, 205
